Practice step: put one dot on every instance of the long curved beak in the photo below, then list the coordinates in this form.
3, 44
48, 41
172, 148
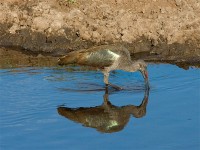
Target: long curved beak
146, 78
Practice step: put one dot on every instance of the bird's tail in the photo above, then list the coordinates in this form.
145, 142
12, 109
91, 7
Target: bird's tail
67, 59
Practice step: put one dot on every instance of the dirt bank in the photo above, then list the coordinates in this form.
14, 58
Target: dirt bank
151, 29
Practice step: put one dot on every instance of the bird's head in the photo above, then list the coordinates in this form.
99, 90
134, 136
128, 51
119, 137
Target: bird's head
142, 67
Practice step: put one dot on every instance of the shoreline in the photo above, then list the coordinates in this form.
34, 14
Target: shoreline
17, 58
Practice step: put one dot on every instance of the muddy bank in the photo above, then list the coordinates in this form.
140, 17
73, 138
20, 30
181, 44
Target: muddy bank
152, 30
14, 57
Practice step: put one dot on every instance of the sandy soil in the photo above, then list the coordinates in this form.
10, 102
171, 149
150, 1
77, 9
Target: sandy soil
158, 29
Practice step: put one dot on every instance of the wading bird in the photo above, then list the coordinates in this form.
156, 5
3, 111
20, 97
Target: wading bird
106, 58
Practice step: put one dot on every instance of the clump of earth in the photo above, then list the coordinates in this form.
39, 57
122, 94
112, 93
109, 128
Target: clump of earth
153, 30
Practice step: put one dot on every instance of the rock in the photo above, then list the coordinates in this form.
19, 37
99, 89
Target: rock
40, 23
178, 2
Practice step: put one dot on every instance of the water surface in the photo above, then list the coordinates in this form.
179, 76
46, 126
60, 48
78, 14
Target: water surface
58, 108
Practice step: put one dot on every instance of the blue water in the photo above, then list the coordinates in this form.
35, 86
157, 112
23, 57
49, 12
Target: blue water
31, 97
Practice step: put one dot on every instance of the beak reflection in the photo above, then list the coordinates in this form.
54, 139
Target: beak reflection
146, 78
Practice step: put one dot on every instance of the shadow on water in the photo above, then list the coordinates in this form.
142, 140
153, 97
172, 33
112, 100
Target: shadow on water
106, 118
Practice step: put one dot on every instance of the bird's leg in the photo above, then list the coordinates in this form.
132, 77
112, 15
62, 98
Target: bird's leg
105, 97
106, 76
106, 103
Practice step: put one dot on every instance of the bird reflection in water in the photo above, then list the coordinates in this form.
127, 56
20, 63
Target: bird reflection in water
106, 118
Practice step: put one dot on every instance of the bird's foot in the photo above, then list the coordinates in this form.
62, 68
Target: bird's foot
114, 86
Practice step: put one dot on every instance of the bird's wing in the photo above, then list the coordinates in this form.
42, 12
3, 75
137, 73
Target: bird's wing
97, 57
100, 56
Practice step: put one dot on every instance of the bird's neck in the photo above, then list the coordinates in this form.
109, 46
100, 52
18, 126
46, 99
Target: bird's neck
131, 67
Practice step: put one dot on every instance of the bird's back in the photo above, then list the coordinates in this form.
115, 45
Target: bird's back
100, 56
